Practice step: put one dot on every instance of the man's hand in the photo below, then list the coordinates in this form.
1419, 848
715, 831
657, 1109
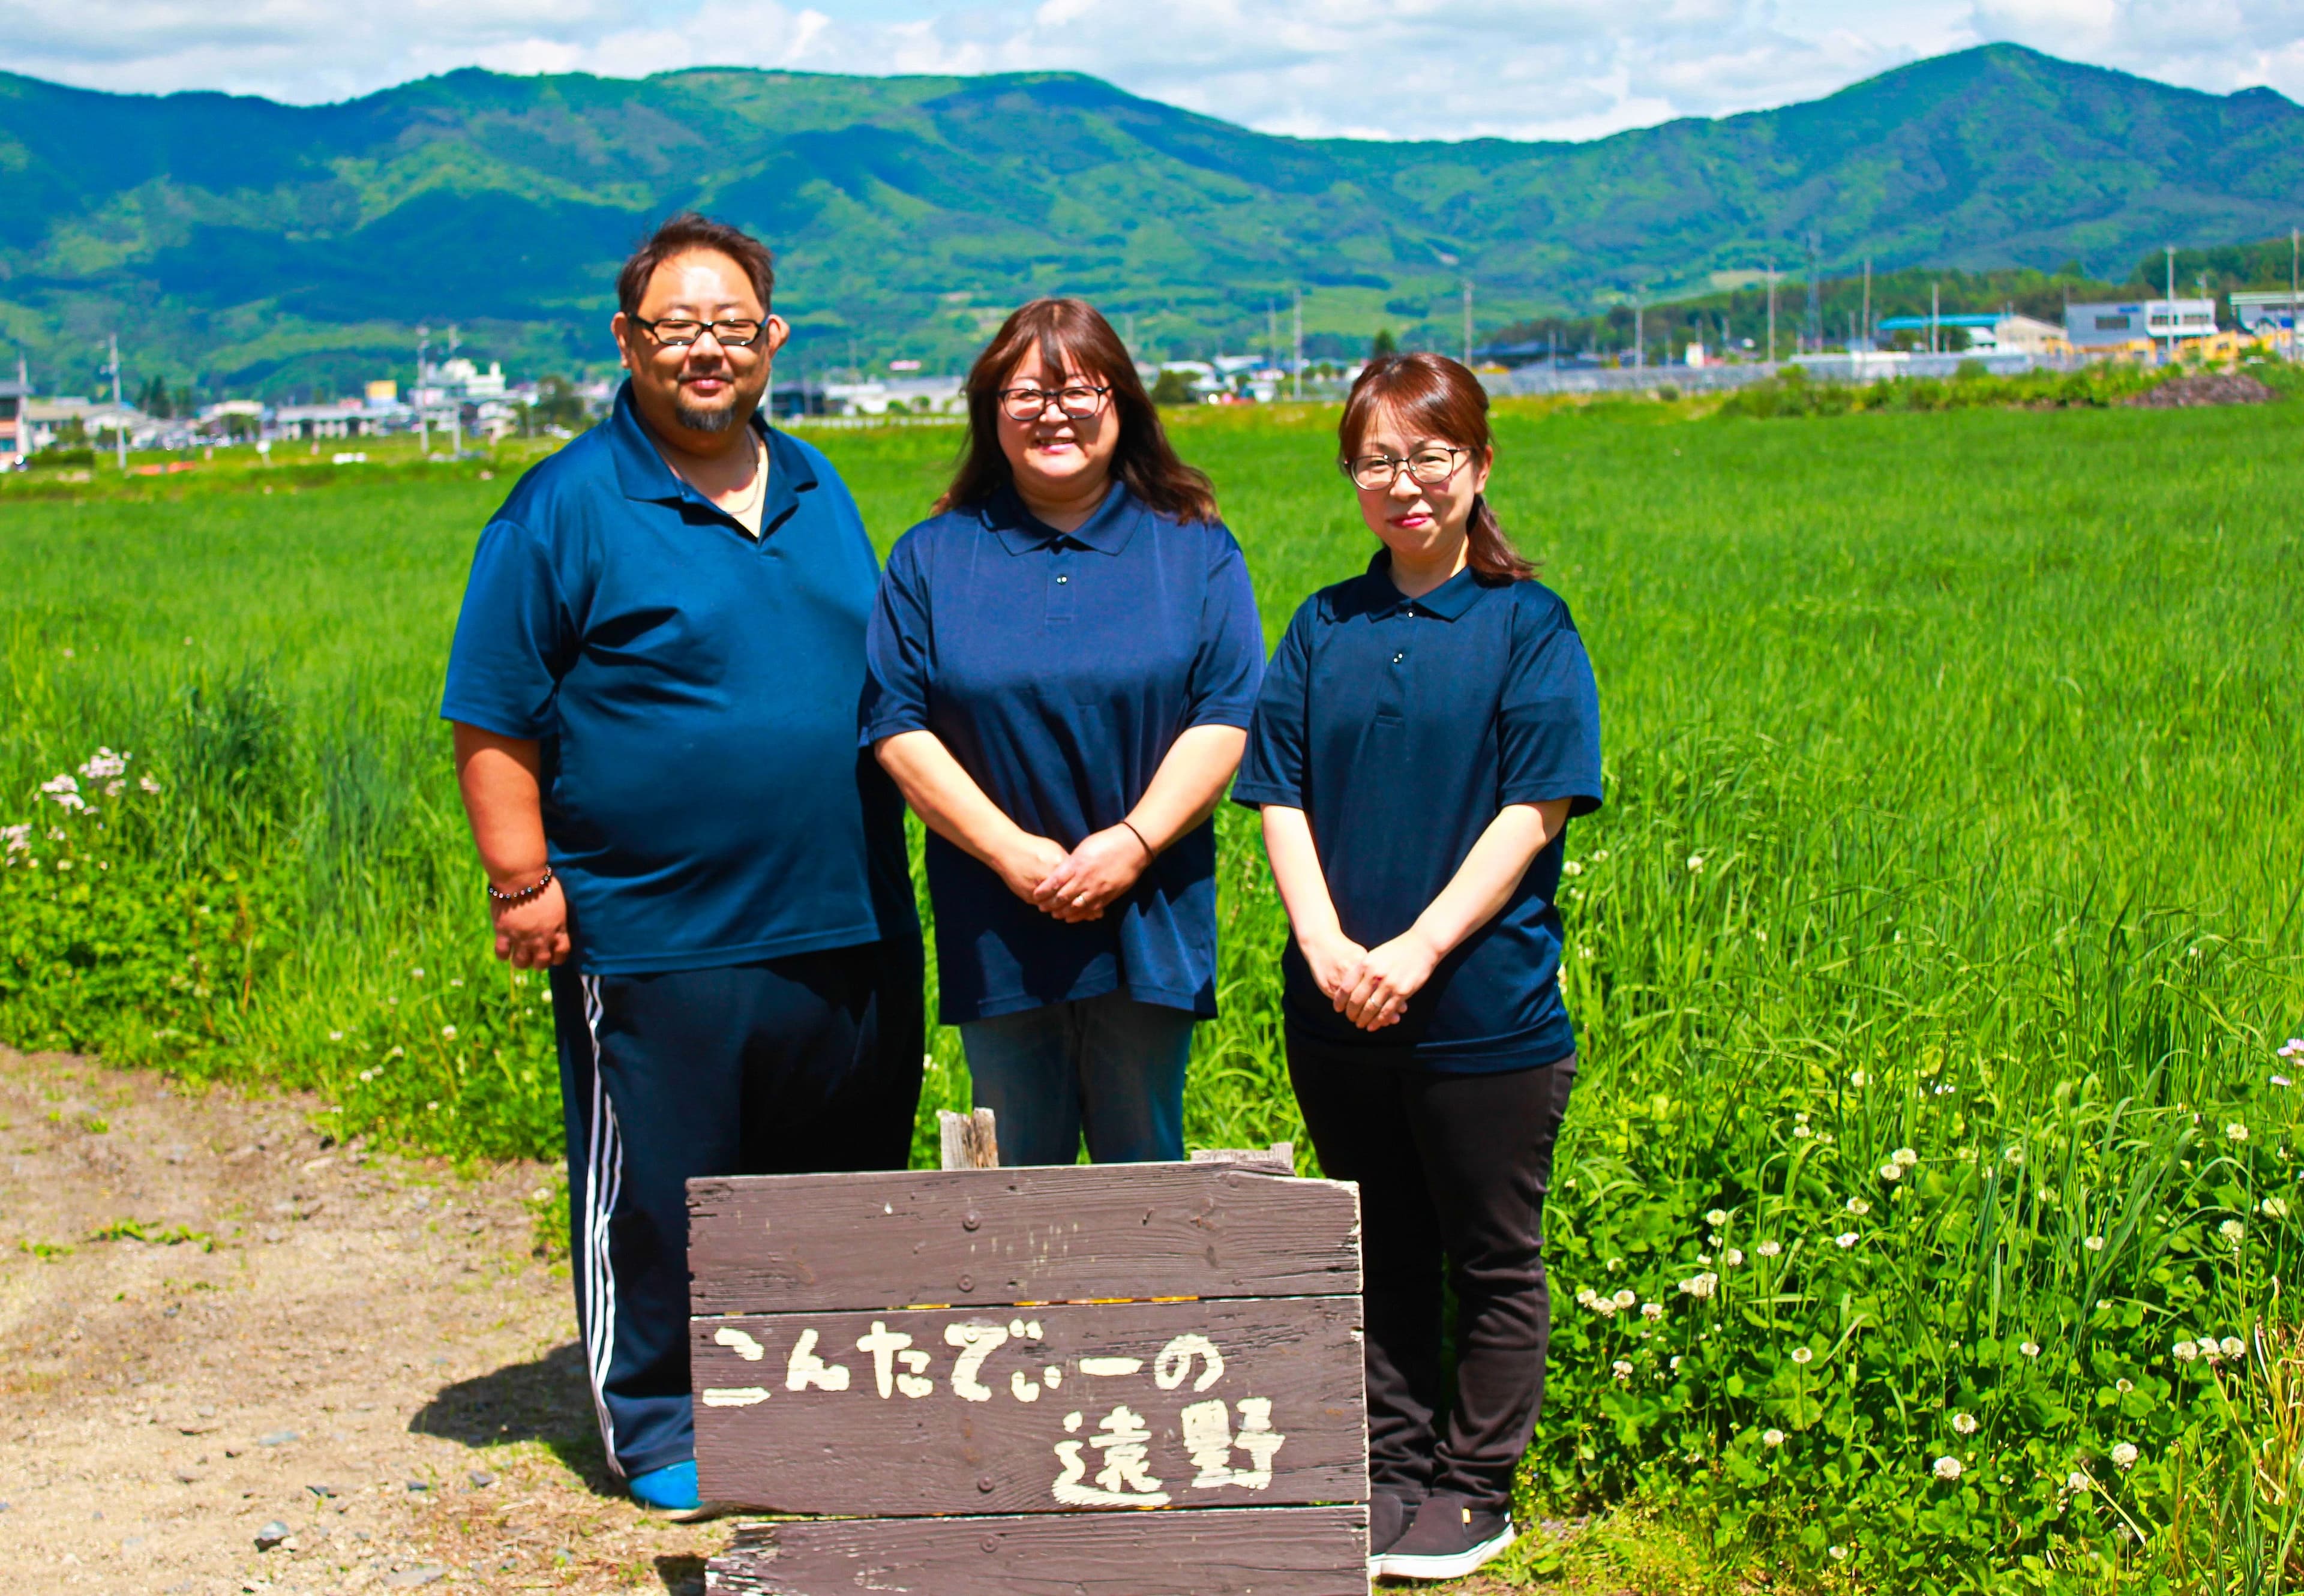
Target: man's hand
1375, 993
533, 935
1330, 958
1027, 861
1105, 864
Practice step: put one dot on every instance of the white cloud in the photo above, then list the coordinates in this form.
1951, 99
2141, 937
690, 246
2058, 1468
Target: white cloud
1405, 68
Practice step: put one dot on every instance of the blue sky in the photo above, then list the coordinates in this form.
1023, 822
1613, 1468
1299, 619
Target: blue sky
1382, 68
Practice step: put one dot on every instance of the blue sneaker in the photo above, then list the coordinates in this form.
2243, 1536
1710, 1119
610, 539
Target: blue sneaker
672, 1489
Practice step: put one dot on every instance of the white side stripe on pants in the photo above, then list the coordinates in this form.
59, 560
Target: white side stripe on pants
604, 1175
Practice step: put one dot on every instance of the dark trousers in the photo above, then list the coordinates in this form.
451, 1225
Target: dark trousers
1452, 1166
786, 1066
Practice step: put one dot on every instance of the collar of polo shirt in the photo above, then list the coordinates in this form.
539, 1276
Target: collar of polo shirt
1107, 531
642, 473
1448, 601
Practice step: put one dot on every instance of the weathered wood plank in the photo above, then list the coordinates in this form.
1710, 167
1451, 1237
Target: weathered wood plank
968, 1140
1278, 1551
780, 1243
1279, 1158
1223, 1403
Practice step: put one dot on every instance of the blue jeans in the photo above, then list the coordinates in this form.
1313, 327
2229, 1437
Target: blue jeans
1110, 1066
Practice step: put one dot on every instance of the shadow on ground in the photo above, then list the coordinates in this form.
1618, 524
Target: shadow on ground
546, 1399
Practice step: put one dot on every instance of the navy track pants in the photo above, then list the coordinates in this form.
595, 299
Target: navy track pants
791, 1066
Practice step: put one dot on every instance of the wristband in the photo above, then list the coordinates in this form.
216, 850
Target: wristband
509, 899
1149, 851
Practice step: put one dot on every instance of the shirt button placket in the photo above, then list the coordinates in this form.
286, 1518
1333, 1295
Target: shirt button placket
1060, 584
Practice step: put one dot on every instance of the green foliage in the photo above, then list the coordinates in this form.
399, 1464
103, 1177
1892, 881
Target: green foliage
1172, 387
1382, 344
297, 247
1971, 386
1949, 832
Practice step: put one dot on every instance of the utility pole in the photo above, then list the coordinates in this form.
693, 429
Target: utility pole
1772, 312
2172, 301
1814, 328
1867, 304
2293, 234
1468, 321
1299, 335
1271, 332
119, 414
455, 404
423, 420
1935, 310
1639, 333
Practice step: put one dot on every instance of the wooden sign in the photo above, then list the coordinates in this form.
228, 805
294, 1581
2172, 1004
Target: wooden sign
996, 1363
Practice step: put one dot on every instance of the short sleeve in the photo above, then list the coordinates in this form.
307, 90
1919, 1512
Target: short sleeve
1549, 729
1272, 771
1228, 660
515, 637
896, 649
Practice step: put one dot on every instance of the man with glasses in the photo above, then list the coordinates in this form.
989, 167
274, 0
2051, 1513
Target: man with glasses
654, 685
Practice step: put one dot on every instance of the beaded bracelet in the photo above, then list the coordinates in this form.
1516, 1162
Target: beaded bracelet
508, 899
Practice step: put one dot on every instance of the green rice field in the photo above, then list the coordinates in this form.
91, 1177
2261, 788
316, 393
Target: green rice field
1928, 1213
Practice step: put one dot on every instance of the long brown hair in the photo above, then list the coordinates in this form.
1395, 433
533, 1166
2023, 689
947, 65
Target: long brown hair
1071, 334
1434, 396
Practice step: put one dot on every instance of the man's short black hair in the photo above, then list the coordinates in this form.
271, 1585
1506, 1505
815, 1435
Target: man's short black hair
682, 235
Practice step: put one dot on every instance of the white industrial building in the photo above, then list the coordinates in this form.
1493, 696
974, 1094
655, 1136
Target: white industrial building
2115, 323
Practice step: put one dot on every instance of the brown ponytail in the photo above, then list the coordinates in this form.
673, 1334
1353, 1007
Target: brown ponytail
1434, 396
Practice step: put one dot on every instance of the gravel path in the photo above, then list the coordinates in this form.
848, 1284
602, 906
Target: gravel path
216, 1328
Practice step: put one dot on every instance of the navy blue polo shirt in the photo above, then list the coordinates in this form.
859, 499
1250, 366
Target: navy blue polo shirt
695, 693
1059, 668
1401, 727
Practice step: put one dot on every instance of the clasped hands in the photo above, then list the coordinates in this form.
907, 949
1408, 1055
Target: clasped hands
1370, 986
1077, 886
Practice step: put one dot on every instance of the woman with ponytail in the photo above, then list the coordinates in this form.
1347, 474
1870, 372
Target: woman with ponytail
1423, 735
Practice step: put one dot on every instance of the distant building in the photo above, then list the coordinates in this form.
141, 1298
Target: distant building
348, 418
2262, 311
897, 395
2117, 324
384, 391
461, 378
12, 395
1984, 331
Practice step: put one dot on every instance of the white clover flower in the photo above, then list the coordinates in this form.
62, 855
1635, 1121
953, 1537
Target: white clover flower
1845, 1240
104, 765
1732, 1258
1947, 1468
144, 784
1716, 1218
2014, 1155
1603, 1306
1572, 868
1858, 1206
335, 1036
2030, 1349
2231, 1230
1627, 1297
2076, 1483
1905, 1156
2236, 1131
2123, 1455
1701, 1286
1802, 1129
2094, 1243
1772, 1437
1675, 1363
1839, 1553
2233, 1347
2123, 1385
1770, 1249
1622, 1369
1584, 1296
1859, 1078
1963, 1424
1696, 864
448, 1032
1892, 1172
2273, 1208
1616, 1266
1600, 852
18, 839
367, 1075
1704, 1261
397, 1053
1802, 1356
1651, 1310
2185, 1352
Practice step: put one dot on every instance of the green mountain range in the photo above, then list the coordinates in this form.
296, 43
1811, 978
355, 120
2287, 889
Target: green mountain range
238, 243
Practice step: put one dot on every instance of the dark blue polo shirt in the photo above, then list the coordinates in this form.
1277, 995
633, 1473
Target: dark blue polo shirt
695, 693
1059, 668
1401, 727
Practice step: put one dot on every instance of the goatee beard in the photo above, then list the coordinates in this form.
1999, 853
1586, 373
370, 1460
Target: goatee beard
720, 420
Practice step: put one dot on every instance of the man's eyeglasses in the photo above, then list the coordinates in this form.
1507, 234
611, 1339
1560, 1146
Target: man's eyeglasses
1430, 466
678, 332
1078, 401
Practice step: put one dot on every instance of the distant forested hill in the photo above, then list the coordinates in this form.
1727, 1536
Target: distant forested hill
256, 244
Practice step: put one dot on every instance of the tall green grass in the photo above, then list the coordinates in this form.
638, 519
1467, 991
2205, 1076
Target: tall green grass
1953, 829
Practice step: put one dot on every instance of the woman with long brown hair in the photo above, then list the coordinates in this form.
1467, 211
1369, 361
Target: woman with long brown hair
1424, 732
1061, 671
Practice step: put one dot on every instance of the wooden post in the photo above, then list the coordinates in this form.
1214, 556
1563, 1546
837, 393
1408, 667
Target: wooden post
1119, 1379
968, 1140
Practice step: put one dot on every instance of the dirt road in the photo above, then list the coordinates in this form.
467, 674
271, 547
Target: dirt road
215, 1327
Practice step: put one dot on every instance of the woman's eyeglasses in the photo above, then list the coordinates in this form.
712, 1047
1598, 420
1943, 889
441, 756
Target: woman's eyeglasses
1079, 402
1430, 466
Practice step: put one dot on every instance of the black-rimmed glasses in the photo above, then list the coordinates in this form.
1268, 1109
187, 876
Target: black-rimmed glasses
678, 332
1078, 401
1430, 466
